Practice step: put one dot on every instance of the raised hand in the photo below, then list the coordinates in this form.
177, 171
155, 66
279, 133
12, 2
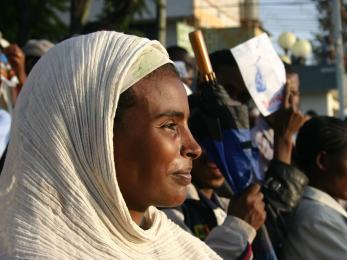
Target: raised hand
287, 120
16, 58
249, 207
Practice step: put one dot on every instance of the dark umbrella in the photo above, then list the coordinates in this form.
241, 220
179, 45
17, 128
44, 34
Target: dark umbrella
220, 124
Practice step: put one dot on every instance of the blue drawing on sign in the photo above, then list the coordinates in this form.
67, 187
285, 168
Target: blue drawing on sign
259, 81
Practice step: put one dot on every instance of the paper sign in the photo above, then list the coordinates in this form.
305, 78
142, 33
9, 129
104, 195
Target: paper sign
262, 71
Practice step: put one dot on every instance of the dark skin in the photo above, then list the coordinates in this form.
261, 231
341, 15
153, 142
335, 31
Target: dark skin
16, 58
154, 153
248, 207
287, 121
329, 173
206, 175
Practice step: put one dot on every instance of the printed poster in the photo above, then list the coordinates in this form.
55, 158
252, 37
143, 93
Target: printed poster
262, 71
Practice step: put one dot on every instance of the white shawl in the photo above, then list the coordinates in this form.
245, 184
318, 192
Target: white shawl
59, 196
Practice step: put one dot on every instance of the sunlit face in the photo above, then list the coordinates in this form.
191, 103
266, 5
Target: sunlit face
293, 84
336, 176
154, 148
206, 173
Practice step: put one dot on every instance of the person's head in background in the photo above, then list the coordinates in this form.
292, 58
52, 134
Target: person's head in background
321, 153
183, 63
206, 175
228, 74
179, 53
33, 51
311, 113
293, 83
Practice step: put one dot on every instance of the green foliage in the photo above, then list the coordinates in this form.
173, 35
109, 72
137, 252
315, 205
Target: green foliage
323, 46
118, 14
21, 20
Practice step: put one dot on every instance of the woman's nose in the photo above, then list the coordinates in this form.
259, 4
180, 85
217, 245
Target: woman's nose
190, 148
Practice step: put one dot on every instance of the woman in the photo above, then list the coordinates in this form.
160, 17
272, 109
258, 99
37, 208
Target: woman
89, 156
318, 229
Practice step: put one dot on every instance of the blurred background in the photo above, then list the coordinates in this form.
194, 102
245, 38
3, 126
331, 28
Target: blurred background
306, 33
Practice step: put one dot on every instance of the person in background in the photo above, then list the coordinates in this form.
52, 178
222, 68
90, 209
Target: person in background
33, 51
228, 225
228, 228
16, 59
12, 62
263, 134
317, 228
184, 65
311, 113
22, 61
283, 183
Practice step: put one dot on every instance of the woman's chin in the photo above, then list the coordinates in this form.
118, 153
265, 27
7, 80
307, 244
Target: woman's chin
174, 201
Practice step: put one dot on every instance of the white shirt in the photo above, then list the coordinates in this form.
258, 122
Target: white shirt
318, 229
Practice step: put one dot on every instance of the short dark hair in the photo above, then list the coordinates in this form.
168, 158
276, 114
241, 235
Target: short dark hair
311, 113
321, 133
175, 52
222, 58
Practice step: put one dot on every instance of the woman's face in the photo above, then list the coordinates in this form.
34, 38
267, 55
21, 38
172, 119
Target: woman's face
154, 148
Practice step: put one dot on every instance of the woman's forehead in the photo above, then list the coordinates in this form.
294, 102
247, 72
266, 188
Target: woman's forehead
160, 93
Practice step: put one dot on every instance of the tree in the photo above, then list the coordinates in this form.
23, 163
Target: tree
323, 47
117, 15
21, 20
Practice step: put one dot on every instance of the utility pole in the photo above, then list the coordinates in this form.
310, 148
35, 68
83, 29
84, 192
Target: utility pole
340, 67
161, 21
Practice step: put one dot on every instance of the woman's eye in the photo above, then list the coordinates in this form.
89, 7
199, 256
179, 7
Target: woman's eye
170, 126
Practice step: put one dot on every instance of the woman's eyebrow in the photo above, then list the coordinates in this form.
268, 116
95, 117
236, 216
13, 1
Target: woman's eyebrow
171, 114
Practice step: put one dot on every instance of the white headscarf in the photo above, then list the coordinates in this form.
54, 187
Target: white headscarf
59, 196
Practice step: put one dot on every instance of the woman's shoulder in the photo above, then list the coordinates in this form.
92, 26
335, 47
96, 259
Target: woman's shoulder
186, 241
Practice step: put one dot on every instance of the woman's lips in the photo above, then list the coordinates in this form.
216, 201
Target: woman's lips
183, 178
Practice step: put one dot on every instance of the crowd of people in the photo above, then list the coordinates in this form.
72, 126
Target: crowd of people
119, 150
